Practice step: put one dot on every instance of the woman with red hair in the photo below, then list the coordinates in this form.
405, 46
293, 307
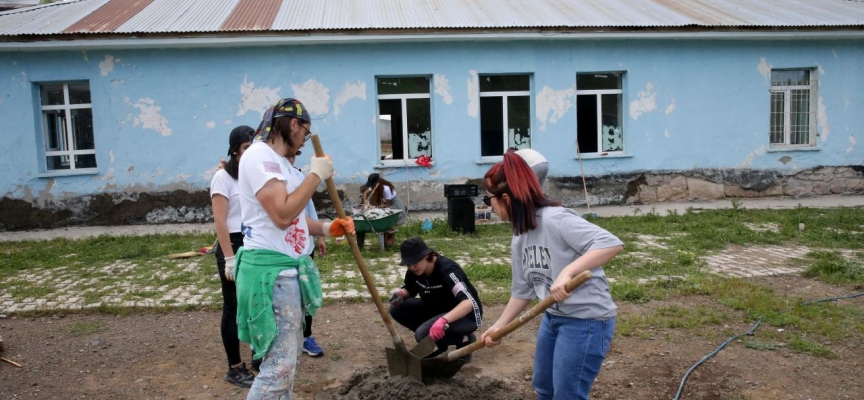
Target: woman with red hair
551, 245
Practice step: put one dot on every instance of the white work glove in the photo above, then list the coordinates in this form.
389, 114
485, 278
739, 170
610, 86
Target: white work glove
229, 268
323, 167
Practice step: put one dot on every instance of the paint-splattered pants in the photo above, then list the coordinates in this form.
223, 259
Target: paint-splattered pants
276, 379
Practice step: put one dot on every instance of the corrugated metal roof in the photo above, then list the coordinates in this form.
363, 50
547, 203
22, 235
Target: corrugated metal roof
214, 16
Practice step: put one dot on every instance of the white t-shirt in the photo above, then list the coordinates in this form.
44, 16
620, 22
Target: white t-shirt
259, 165
532, 157
388, 193
223, 184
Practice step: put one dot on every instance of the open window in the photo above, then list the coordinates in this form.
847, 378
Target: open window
599, 121
505, 113
404, 118
67, 127
793, 106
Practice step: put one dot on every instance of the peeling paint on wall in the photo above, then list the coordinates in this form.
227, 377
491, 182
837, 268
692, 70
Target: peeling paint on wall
752, 156
111, 156
670, 107
149, 117
819, 68
764, 69
84, 54
553, 104
106, 65
852, 144
22, 80
822, 117
666, 134
228, 122
834, 52
314, 95
256, 99
349, 91
116, 82
442, 88
210, 124
645, 102
473, 94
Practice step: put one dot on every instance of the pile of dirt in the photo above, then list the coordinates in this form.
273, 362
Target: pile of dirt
375, 383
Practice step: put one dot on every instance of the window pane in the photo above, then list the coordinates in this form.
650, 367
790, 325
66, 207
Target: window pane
79, 94
85, 161
800, 117
609, 80
52, 95
790, 78
82, 129
777, 128
390, 128
504, 83
519, 122
57, 162
586, 123
419, 128
612, 133
54, 125
491, 126
403, 85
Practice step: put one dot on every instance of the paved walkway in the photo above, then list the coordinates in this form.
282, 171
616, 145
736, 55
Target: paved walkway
119, 283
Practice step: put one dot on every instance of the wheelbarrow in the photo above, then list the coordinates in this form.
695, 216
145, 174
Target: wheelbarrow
400, 360
448, 364
379, 226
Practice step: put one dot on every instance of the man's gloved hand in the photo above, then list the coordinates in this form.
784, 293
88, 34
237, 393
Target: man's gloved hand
339, 227
397, 298
438, 328
323, 167
229, 268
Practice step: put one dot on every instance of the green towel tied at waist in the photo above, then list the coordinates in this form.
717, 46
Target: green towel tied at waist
257, 270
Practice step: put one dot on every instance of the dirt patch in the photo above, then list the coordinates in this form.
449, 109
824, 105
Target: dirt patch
178, 355
375, 383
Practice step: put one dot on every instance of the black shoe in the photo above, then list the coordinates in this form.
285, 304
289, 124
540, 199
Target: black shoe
255, 365
471, 339
240, 376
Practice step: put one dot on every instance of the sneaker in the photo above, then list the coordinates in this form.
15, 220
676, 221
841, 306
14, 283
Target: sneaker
240, 376
255, 365
310, 346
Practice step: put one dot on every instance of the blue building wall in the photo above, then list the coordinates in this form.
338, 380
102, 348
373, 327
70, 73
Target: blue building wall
162, 116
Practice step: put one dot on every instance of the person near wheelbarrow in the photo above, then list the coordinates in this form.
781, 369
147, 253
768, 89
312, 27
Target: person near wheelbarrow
379, 192
551, 245
448, 309
277, 283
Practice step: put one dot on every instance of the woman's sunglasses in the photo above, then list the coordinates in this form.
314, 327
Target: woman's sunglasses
487, 200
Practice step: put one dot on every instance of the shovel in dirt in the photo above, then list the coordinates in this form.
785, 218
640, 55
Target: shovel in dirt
448, 364
400, 360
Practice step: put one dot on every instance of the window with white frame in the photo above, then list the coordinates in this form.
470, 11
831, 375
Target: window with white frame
404, 118
599, 121
793, 108
67, 127
505, 113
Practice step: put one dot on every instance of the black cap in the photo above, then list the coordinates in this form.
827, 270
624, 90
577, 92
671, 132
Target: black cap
239, 135
372, 180
413, 250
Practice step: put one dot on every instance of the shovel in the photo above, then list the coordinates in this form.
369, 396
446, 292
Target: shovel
448, 364
400, 360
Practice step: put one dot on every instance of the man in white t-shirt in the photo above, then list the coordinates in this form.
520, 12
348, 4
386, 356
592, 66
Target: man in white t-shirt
277, 238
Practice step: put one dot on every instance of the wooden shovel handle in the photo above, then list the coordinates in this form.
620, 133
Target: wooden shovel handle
522, 319
361, 263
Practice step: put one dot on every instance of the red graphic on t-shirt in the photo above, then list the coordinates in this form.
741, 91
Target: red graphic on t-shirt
296, 236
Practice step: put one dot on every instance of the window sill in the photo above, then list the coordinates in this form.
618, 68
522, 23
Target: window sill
790, 149
384, 164
489, 160
597, 156
75, 172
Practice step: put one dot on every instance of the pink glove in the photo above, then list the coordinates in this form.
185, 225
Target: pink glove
437, 330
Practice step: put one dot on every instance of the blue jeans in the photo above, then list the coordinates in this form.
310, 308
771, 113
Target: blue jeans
569, 354
276, 377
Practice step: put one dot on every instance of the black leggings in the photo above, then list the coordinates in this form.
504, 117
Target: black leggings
228, 325
418, 317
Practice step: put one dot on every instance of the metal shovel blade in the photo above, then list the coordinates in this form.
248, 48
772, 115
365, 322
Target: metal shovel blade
440, 367
403, 364
426, 347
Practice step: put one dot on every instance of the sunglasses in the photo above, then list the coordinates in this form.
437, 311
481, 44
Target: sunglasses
308, 134
487, 200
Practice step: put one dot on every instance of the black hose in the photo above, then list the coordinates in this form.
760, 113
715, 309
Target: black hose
749, 332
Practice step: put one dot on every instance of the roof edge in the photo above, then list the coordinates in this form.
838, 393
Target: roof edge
264, 40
